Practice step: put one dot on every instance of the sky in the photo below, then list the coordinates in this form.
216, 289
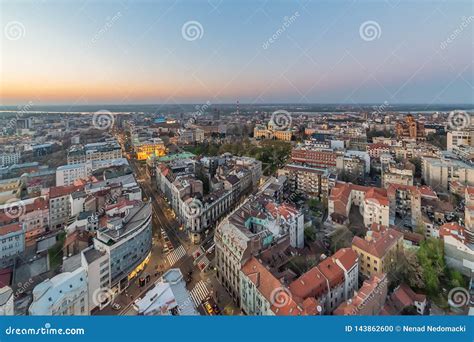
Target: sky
216, 51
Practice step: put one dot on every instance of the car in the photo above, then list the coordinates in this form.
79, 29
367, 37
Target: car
209, 308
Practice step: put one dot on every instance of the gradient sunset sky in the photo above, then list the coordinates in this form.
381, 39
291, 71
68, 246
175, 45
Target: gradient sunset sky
122, 52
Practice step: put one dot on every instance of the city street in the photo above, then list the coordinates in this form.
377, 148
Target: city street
201, 284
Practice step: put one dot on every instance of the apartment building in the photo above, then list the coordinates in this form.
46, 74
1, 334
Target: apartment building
323, 158
60, 205
311, 181
126, 240
372, 202
253, 227
228, 178
68, 174
378, 251
66, 294
440, 172
368, 301
79, 154
12, 243
460, 138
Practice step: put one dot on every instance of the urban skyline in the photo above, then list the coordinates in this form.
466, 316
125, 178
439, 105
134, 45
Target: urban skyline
345, 52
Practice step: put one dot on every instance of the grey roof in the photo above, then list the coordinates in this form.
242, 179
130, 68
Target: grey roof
5, 293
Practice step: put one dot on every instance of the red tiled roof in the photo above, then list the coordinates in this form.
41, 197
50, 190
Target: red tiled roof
269, 286
10, 228
353, 306
59, 191
452, 229
380, 242
347, 257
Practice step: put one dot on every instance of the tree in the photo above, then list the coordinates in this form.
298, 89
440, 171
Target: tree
406, 270
431, 259
340, 238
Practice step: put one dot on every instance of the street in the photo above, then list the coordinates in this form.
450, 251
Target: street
202, 284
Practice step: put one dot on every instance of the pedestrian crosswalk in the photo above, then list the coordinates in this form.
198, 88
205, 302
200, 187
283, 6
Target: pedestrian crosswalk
199, 293
174, 256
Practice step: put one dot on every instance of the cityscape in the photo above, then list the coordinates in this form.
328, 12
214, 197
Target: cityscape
219, 158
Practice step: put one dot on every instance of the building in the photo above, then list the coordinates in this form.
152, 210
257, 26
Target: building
469, 214
329, 283
404, 297
405, 203
372, 202
126, 239
262, 294
60, 204
12, 243
69, 174
271, 132
458, 251
6, 301
460, 138
310, 181
79, 154
146, 148
9, 158
66, 294
169, 296
375, 150
440, 172
395, 175
34, 216
368, 301
253, 227
323, 158
410, 128
378, 251
228, 179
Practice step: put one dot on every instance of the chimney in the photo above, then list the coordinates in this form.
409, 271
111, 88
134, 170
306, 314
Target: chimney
368, 236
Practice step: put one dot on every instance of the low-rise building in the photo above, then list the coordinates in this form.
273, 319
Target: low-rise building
168, 296
368, 301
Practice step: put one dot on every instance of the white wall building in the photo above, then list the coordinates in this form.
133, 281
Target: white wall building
66, 294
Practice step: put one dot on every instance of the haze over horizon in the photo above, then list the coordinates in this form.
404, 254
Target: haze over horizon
253, 52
